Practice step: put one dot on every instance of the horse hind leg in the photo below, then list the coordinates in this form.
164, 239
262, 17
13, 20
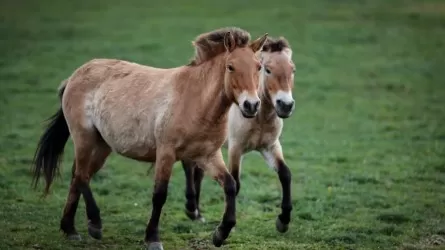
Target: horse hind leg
99, 156
91, 153
69, 212
193, 178
198, 176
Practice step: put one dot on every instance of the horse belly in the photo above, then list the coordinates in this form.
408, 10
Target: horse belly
129, 135
130, 141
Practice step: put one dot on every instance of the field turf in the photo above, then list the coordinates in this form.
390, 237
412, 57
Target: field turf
366, 144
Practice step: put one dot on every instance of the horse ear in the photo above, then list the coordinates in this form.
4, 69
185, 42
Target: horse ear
258, 43
288, 53
229, 42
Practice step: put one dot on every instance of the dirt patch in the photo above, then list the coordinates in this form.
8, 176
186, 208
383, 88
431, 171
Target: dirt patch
433, 242
425, 8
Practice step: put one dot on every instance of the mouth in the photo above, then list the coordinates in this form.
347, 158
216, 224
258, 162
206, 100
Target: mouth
248, 115
283, 115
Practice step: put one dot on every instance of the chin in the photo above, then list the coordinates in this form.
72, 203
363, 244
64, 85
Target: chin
283, 116
248, 116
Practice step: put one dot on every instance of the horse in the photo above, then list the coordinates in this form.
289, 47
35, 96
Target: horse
259, 134
153, 115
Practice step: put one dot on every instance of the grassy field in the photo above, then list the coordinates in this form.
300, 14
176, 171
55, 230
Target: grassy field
366, 144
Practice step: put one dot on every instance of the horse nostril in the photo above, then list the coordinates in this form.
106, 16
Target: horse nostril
286, 107
251, 107
256, 105
246, 105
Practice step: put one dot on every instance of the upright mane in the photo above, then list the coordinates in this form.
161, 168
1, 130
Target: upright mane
275, 44
211, 44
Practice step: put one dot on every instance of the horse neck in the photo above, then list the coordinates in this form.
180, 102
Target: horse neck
210, 77
267, 110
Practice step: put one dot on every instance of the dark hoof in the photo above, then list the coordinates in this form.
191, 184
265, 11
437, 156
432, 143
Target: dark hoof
94, 232
154, 246
196, 216
218, 238
281, 227
74, 237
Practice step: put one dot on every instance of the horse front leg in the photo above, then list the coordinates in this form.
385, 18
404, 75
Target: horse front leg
274, 157
235, 155
216, 167
163, 170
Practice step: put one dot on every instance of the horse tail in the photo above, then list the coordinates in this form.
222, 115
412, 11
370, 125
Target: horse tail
61, 88
50, 147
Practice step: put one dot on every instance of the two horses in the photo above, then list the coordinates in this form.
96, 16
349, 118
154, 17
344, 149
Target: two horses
259, 134
153, 115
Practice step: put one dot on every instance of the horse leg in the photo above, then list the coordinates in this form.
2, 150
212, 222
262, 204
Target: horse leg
198, 176
215, 166
99, 155
192, 174
235, 155
274, 157
98, 158
90, 154
69, 212
163, 170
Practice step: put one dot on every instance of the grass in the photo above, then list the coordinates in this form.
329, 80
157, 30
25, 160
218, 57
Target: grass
366, 145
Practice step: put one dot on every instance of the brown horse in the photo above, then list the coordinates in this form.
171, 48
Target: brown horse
260, 133
152, 115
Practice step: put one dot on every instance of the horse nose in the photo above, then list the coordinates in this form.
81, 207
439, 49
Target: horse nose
251, 106
286, 106
256, 105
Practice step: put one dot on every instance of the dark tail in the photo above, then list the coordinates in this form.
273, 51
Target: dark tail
50, 147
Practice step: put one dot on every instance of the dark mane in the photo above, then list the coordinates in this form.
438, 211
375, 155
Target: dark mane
275, 45
211, 44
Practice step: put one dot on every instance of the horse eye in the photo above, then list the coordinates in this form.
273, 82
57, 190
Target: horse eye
259, 67
293, 70
267, 71
230, 68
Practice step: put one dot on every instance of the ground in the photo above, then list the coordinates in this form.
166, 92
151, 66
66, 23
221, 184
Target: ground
366, 144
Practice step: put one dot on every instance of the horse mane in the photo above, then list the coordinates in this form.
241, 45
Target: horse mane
211, 44
275, 45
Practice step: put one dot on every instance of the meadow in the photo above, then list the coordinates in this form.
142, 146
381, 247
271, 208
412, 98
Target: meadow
366, 144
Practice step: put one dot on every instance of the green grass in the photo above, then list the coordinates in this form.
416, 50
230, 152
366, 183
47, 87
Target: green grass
366, 144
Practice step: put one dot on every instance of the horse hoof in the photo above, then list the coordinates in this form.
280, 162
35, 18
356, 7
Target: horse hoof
217, 238
154, 246
281, 227
195, 215
74, 237
94, 232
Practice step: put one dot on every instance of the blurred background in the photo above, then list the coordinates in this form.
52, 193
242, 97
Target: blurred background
366, 144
